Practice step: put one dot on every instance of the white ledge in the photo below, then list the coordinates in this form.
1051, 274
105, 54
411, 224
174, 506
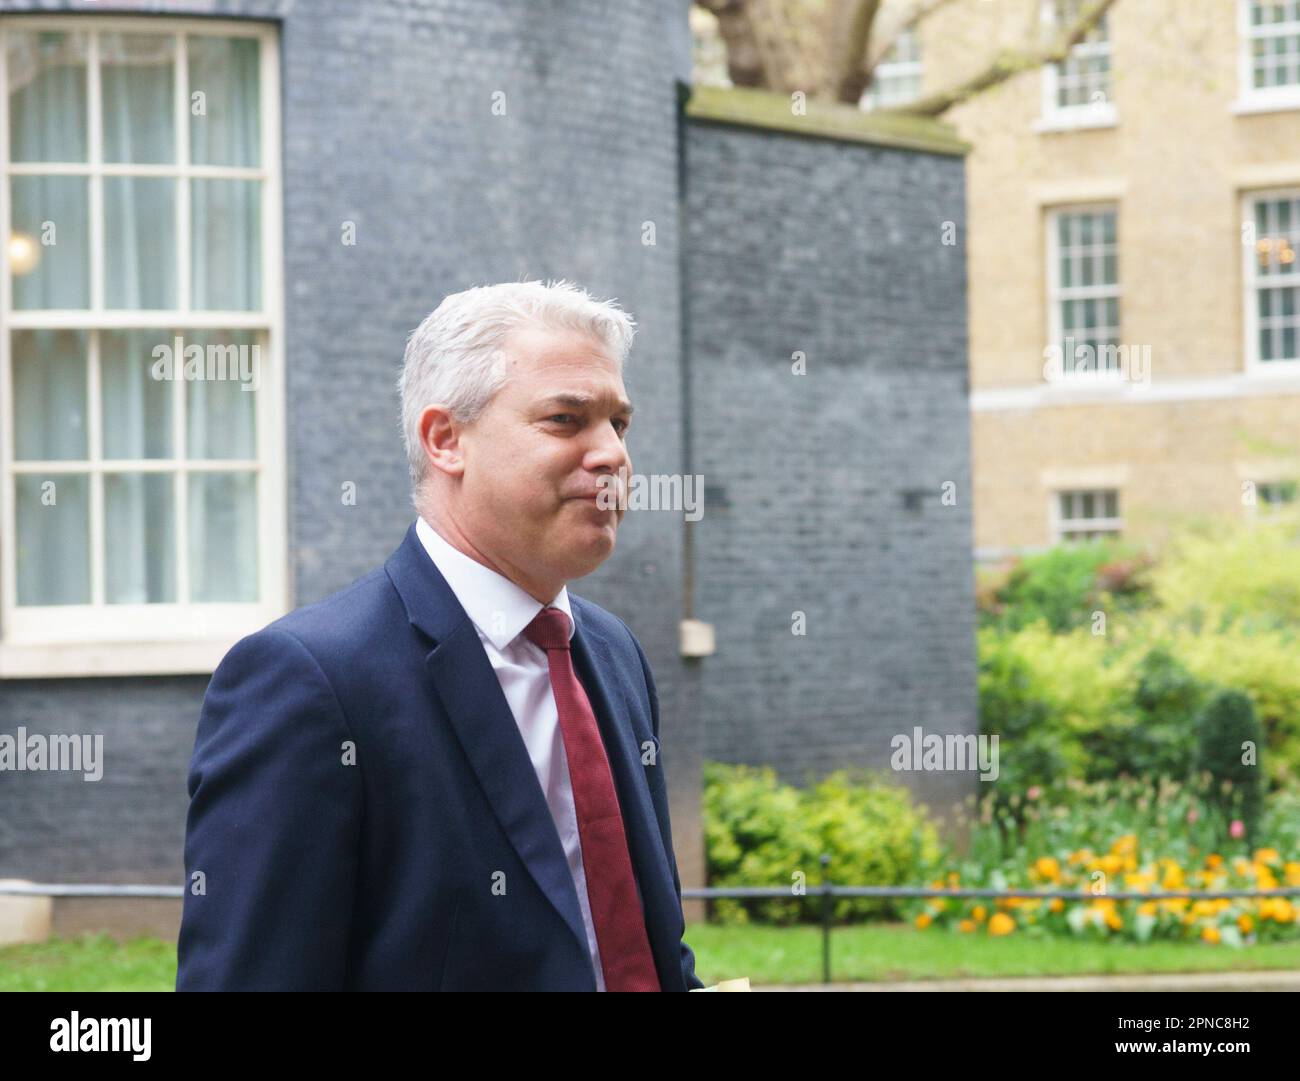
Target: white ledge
1086, 118
32, 660
1125, 392
1265, 104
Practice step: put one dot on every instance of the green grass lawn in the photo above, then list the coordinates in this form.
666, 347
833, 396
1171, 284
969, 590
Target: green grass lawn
899, 952
766, 955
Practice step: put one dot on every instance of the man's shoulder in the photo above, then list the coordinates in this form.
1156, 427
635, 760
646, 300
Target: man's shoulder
345, 623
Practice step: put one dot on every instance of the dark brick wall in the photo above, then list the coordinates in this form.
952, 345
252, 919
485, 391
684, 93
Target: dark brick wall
387, 122
832, 249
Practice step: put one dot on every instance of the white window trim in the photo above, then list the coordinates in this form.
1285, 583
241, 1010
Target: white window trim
1251, 99
1072, 381
1254, 367
1055, 118
893, 69
156, 639
1060, 531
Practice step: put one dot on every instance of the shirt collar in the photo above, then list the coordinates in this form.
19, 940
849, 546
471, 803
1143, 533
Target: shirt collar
498, 607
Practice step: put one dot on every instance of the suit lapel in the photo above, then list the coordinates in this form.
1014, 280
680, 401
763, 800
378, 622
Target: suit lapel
471, 694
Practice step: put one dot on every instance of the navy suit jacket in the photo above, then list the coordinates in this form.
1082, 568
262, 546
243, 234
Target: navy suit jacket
364, 814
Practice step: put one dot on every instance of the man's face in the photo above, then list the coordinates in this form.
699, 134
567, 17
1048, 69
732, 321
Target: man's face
534, 458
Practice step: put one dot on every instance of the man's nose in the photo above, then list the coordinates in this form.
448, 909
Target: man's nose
610, 451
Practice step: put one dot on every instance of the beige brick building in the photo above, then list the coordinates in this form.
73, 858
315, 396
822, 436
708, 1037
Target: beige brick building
1134, 290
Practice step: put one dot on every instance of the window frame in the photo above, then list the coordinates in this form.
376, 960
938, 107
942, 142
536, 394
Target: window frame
885, 69
1252, 99
1056, 117
1055, 323
163, 638
1255, 367
1062, 529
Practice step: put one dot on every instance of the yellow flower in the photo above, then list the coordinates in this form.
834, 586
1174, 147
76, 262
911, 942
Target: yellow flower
923, 921
1113, 920
1173, 879
953, 878
1204, 908
1111, 864
1292, 869
979, 912
1283, 910
1048, 867
1126, 845
1266, 907
1214, 861
1001, 924
1148, 908
966, 925
1245, 923
1210, 934
1057, 904
1266, 855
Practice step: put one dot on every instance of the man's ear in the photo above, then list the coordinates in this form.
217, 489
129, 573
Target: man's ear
440, 434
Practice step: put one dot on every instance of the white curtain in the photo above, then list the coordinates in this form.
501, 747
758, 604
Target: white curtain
48, 118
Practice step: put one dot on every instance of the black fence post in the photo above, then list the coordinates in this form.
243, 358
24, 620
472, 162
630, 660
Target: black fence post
826, 918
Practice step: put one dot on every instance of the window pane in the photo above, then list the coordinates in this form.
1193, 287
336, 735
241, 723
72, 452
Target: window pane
137, 408
139, 242
226, 268
53, 549
138, 86
139, 538
49, 372
223, 537
1112, 505
221, 407
49, 246
225, 95
47, 95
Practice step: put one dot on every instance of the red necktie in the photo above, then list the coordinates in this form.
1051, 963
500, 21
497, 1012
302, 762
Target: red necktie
611, 890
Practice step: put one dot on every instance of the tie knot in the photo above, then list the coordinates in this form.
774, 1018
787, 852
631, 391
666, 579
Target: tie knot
549, 629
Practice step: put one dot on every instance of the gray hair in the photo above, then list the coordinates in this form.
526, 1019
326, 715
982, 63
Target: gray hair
455, 357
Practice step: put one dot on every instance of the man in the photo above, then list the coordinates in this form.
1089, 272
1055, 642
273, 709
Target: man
447, 776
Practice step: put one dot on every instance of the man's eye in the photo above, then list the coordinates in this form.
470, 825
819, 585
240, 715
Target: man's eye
562, 417
624, 425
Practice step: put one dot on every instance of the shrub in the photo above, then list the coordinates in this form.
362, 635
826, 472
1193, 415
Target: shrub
759, 832
1065, 585
1224, 729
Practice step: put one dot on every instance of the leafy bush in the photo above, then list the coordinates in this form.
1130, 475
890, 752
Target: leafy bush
1065, 585
1224, 729
1099, 700
759, 832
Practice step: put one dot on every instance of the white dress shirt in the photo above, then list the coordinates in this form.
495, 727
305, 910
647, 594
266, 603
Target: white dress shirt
500, 610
